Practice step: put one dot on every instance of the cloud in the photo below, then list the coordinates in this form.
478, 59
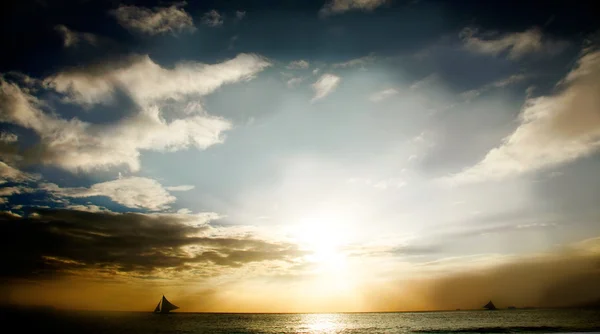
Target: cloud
212, 18
133, 192
362, 61
293, 82
326, 84
159, 20
76, 145
9, 191
180, 188
334, 7
72, 38
515, 78
110, 245
232, 41
147, 82
87, 208
7, 137
516, 45
426, 81
8, 173
298, 64
240, 14
553, 129
382, 95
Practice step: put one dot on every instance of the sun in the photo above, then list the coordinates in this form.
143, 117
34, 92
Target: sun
324, 236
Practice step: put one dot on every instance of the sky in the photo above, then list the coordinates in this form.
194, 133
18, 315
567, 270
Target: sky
299, 156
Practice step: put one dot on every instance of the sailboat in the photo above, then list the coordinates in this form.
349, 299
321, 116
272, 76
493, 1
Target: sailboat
164, 306
489, 306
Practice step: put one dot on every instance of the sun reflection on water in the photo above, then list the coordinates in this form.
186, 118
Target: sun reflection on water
321, 323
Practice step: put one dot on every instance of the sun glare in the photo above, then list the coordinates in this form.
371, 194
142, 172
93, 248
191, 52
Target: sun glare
323, 235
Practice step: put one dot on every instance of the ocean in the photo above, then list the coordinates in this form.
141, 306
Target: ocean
501, 321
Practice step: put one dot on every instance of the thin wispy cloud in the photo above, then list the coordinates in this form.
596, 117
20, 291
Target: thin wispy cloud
356, 62
382, 95
326, 85
513, 79
180, 188
240, 14
293, 82
212, 19
333, 7
298, 65
72, 38
516, 45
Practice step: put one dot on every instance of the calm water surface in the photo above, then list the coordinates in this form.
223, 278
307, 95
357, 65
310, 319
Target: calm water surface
507, 321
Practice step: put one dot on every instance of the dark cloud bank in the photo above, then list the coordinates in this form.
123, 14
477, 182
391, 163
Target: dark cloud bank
53, 243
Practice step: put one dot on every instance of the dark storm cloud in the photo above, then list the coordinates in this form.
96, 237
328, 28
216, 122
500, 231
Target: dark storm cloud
52, 242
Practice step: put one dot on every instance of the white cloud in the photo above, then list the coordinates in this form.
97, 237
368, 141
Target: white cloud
515, 44
72, 38
554, 129
326, 84
382, 95
298, 64
291, 83
333, 7
180, 188
147, 82
76, 145
159, 20
212, 18
133, 192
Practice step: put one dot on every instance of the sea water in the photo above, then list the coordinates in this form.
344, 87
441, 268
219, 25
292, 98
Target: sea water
501, 321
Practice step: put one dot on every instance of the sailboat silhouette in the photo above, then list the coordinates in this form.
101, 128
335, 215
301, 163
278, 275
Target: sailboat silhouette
490, 306
164, 306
